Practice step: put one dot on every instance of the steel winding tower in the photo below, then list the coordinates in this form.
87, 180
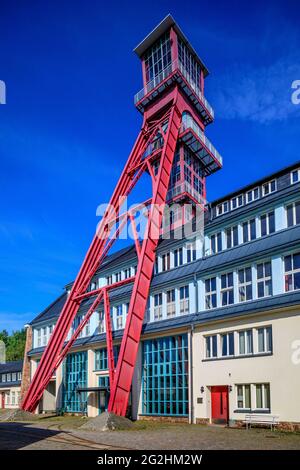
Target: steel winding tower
173, 149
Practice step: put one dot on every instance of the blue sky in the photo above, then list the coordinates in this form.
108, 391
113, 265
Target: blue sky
69, 122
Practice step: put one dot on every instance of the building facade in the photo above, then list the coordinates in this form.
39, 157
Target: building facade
10, 384
221, 332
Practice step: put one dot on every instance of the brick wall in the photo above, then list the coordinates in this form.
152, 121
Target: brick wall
26, 364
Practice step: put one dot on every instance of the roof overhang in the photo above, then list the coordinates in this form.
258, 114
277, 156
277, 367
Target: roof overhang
160, 29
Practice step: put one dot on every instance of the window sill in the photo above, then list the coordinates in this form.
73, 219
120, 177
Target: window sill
242, 356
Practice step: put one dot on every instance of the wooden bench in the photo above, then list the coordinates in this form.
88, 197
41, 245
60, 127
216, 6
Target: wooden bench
263, 419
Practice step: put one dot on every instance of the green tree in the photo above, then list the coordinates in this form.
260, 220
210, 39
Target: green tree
15, 344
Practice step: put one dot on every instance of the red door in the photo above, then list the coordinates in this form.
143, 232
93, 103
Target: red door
219, 404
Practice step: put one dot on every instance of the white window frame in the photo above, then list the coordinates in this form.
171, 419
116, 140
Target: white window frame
171, 304
226, 335
158, 310
248, 223
208, 340
252, 192
243, 396
231, 230
216, 236
226, 290
297, 171
245, 283
244, 333
177, 254
264, 279
184, 303
265, 329
263, 386
268, 185
119, 316
293, 204
210, 293
101, 321
39, 337
291, 272
220, 209
267, 215
237, 199
191, 247
166, 261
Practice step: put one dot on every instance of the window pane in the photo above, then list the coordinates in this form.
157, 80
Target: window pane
261, 345
271, 222
214, 346
249, 342
231, 344
267, 396
242, 342
247, 397
289, 214
269, 339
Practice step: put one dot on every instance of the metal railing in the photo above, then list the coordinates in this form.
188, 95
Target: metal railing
189, 123
175, 65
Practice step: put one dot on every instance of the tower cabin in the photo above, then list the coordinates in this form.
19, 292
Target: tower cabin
170, 62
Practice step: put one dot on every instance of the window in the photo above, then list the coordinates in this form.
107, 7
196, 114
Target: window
184, 299
39, 338
165, 376
292, 272
189, 65
245, 342
249, 230
264, 339
236, 202
227, 289
156, 265
268, 188
223, 208
232, 238
19, 375
157, 58
13, 376
211, 346
101, 358
267, 223
264, 279
293, 214
210, 293
3, 378
178, 257
44, 331
108, 280
245, 284
295, 176
119, 311
166, 262
262, 392
171, 303
8, 377
126, 273
74, 376
157, 306
118, 276
252, 195
227, 344
191, 252
243, 397
216, 243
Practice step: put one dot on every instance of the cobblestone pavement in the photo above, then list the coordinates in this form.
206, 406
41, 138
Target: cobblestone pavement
62, 434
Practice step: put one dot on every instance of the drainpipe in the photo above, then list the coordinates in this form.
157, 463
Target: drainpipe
191, 413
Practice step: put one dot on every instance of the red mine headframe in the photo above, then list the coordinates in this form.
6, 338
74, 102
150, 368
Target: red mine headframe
172, 148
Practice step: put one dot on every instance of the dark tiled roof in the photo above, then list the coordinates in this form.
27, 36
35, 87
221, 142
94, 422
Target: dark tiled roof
258, 182
13, 366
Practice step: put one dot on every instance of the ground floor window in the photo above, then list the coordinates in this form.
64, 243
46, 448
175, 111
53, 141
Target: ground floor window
75, 376
255, 397
165, 376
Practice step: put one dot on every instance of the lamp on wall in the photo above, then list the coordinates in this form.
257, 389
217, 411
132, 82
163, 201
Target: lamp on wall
202, 389
230, 388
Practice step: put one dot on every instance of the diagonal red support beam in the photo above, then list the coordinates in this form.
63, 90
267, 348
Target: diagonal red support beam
109, 341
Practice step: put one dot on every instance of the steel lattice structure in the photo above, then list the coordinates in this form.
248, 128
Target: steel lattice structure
163, 104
